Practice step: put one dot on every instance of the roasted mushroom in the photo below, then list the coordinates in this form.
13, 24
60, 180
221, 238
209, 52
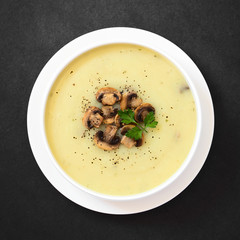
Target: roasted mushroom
109, 114
142, 111
92, 118
129, 142
118, 121
107, 140
108, 96
109, 133
130, 100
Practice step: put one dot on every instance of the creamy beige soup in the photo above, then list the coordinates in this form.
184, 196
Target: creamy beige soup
123, 171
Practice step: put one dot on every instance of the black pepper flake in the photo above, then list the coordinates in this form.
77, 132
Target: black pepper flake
71, 72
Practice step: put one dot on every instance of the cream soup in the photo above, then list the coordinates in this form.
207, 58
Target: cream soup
123, 171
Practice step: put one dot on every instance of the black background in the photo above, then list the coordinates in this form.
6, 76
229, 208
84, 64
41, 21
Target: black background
32, 31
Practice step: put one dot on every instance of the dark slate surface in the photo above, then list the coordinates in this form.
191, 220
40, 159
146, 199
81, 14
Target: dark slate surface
32, 31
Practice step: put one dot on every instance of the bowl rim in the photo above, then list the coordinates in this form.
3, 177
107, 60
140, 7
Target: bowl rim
129, 36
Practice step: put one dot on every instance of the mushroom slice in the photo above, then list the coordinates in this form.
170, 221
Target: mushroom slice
142, 111
117, 121
130, 100
92, 118
140, 141
108, 96
109, 133
129, 142
108, 146
109, 114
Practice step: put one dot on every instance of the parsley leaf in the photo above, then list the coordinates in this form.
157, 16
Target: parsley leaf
135, 133
127, 116
149, 120
152, 124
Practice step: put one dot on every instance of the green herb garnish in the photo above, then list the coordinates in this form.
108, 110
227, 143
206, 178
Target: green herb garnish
149, 120
135, 133
127, 117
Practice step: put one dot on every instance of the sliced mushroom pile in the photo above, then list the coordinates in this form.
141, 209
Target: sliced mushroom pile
108, 139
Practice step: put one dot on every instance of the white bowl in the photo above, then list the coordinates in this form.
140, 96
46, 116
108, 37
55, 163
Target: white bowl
156, 196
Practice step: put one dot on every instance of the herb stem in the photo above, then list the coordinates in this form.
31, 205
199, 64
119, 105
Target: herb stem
142, 128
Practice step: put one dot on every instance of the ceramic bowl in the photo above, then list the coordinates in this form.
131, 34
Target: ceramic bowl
197, 84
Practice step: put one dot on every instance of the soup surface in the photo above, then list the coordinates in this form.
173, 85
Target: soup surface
123, 171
